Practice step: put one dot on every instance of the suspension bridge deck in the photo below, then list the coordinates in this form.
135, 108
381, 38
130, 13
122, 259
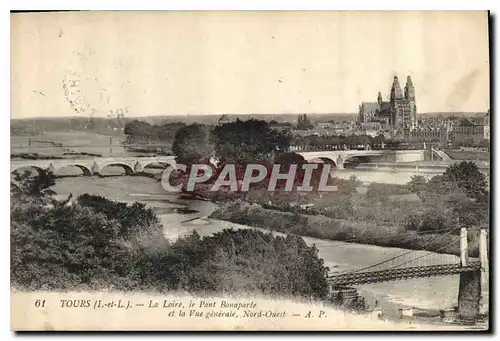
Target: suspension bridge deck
394, 274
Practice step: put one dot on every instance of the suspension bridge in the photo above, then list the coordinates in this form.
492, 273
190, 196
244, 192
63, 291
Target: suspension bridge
474, 272
409, 264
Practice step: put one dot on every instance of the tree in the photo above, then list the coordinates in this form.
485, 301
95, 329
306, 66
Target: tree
138, 131
417, 184
466, 176
433, 219
457, 198
246, 260
484, 144
95, 245
393, 144
467, 211
244, 142
99, 244
352, 140
166, 132
290, 158
134, 219
36, 187
379, 139
365, 140
192, 143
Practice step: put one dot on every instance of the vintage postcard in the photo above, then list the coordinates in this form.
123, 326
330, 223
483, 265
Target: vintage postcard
278, 171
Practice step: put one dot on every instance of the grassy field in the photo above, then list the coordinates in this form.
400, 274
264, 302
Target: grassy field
113, 188
468, 155
59, 143
322, 227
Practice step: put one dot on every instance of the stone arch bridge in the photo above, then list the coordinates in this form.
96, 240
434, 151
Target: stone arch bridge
90, 167
133, 165
339, 157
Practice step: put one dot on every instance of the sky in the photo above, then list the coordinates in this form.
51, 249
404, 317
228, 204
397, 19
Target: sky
178, 63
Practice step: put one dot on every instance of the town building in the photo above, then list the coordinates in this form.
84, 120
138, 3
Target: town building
438, 134
471, 131
486, 123
400, 111
326, 125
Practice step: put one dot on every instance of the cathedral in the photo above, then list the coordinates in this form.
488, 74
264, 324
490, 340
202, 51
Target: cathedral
400, 112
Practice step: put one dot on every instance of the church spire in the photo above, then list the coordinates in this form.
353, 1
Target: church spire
409, 89
379, 98
396, 92
408, 81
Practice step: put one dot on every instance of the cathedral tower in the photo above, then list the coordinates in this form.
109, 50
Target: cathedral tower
411, 109
397, 103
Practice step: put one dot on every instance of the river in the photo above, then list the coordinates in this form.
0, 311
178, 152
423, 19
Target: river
179, 217
398, 174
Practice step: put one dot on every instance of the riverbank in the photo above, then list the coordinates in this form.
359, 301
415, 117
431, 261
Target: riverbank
151, 193
322, 227
429, 293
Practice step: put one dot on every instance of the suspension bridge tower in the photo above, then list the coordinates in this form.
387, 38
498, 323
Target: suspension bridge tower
473, 292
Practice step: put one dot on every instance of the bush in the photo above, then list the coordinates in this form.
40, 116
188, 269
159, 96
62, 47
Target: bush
99, 244
322, 227
382, 192
134, 219
432, 220
248, 261
68, 248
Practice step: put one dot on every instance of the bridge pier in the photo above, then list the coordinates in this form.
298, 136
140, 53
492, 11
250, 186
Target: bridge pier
339, 162
51, 168
473, 292
85, 170
464, 248
468, 294
138, 167
485, 274
95, 169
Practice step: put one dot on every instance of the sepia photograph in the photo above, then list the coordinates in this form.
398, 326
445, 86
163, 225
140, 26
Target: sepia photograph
250, 171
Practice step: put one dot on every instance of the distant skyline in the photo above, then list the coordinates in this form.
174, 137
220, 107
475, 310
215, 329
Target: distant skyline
168, 63
292, 116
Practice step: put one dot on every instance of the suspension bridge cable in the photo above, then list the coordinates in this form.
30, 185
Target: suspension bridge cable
361, 241
428, 253
401, 255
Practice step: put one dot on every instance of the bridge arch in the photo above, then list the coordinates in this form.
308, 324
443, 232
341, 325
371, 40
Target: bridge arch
359, 158
129, 170
322, 160
153, 163
86, 171
149, 165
